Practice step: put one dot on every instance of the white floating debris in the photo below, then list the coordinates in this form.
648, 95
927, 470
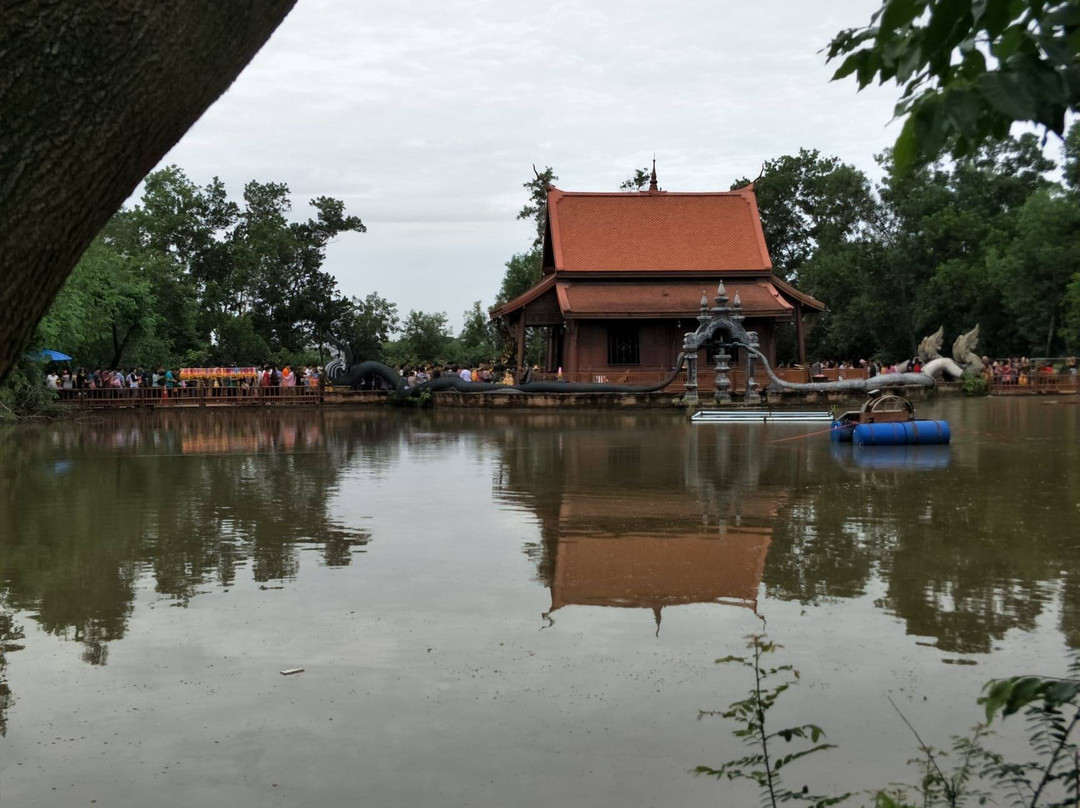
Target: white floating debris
291, 671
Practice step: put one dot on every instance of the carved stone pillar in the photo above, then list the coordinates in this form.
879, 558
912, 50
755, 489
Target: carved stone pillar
690, 349
691, 396
752, 396
722, 396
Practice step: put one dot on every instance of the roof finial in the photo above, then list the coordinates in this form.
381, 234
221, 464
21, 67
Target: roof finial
652, 177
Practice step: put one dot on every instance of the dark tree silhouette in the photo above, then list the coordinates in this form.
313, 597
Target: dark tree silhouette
94, 94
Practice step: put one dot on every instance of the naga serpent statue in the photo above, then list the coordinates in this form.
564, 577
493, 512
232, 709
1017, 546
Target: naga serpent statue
720, 326
725, 320
343, 373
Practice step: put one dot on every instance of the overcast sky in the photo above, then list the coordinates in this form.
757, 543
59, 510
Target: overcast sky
426, 117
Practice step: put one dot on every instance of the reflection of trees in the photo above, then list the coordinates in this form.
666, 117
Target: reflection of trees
966, 550
965, 556
636, 507
10, 635
188, 498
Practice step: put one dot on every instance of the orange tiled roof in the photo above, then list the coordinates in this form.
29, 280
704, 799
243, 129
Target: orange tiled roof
656, 230
528, 296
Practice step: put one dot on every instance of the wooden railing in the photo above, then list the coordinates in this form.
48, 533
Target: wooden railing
115, 397
1045, 383
706, 377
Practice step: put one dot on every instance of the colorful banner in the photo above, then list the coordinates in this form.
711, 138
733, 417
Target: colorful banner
191, 374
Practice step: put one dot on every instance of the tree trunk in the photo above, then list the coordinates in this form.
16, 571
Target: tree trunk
94, 93
1050, 333
119, 345
116, 348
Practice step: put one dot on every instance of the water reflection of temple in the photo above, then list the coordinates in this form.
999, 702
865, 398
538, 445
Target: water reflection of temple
640, 510
683, 517
634, 510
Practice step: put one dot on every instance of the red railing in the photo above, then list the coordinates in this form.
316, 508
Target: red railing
189, 396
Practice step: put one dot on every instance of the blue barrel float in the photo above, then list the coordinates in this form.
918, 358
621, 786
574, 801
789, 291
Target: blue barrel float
841, 431
902, 433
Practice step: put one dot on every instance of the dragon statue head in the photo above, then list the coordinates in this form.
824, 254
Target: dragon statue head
930, 346
963, 351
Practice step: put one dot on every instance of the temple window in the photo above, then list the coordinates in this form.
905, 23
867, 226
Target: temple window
623, 345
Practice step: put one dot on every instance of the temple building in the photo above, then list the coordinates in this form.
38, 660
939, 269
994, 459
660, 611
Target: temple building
624, 275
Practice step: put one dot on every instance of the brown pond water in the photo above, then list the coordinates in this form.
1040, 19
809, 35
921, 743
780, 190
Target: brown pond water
506, 609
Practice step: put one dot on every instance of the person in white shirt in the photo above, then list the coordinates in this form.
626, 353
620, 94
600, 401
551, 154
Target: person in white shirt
465, 374
51, 380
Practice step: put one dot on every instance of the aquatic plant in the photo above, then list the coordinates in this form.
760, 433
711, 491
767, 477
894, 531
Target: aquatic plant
1051, 706
1051, 779
763, 765
974, 386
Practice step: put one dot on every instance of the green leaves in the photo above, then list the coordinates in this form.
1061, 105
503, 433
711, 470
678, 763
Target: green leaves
536, 208
749, 714
523, 271
1009, 696
898, 13
725, 660
1052, 706
959, 100
187, 274
812, 730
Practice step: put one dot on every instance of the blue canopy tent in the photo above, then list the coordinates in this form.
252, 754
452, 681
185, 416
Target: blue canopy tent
54, 356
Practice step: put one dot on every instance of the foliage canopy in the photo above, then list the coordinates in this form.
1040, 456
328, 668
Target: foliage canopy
968, 69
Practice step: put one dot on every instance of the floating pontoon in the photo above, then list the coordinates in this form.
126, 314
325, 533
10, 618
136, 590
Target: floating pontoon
760, 417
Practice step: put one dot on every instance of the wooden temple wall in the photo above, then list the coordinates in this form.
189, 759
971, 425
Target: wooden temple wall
659, 343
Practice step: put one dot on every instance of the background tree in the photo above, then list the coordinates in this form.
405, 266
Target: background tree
106, 311
366, 324
524, 269
809, 202
1034, 271
638, 181
938, 245
523, 272
954, 96
479, 340
425, 338
189, 277
536, 207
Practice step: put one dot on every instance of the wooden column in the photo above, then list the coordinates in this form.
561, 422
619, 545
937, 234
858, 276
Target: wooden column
800, 333
519, 338
572, 352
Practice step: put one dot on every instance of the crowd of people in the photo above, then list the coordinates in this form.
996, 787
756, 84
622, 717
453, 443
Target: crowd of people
418, 374
1015, 370
872, 367
273, 377
271, 380
82, 379
1023, 371
267, 380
